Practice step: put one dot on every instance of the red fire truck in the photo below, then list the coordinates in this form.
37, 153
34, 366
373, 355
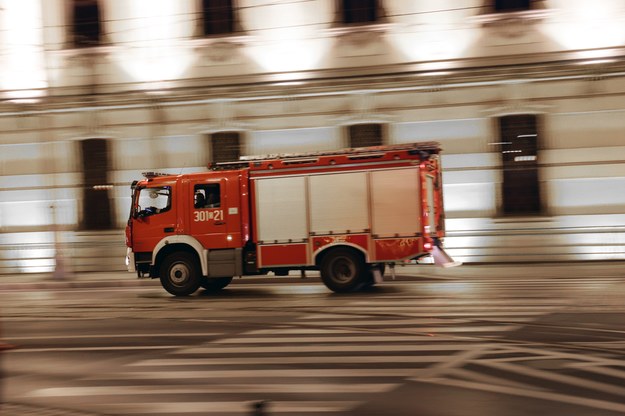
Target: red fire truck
346, 213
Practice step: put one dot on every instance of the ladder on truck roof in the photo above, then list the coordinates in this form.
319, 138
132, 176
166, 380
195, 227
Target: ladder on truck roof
421, 150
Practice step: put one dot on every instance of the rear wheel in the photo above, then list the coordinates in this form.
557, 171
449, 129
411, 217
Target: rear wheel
215, 284
180, 274
343, 270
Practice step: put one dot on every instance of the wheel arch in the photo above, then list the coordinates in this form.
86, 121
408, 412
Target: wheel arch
319, 255
185, 243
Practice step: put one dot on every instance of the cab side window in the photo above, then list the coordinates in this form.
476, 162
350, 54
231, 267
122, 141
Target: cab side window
206, 196
154, 200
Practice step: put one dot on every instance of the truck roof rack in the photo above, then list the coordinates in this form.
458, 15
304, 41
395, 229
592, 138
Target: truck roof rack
330, 157
150, 175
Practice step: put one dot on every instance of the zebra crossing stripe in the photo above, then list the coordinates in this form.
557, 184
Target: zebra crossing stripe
205, 408
533, 393
316, 340
416, 323
404, 359
299, 388
259, 373
559, 378
422, 345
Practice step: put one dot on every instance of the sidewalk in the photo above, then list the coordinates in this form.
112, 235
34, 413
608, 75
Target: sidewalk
402, 273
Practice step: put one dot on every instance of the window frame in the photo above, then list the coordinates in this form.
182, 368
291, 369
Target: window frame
208, 189
158, 210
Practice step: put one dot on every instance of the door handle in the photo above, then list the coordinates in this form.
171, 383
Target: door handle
168, 229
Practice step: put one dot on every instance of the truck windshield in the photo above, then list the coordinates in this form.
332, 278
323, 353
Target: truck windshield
153, 200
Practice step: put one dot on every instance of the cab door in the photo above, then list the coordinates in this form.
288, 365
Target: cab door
215, 215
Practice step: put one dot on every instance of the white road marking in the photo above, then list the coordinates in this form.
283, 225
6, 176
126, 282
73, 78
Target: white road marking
320, 348
259, 373
291, 360
211, 389
137, 335
22, 350
537, 394
233, 407
317, 340
560, 378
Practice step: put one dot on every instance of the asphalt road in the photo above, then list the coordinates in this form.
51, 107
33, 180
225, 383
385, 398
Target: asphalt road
499, 346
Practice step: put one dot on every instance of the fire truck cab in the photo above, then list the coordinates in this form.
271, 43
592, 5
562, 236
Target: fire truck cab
346, 213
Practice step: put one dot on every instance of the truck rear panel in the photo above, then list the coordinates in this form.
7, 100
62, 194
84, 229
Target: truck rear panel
377, 211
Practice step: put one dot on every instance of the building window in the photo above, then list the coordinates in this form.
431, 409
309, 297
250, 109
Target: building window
365, 135
511, 5
96, 209
225, 147
519, 154
86, 24
218, 17
359, 11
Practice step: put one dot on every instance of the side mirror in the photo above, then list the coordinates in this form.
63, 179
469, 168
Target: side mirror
139, 215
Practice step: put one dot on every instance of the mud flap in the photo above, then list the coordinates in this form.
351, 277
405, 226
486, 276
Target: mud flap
442, 259
377, 275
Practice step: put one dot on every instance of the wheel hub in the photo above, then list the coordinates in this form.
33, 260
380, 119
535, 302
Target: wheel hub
179, 274
343, 269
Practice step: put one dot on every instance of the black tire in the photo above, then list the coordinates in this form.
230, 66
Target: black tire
180, 274
215, 284
343, 270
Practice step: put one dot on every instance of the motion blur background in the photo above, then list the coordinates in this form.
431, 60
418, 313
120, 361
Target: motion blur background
527, 99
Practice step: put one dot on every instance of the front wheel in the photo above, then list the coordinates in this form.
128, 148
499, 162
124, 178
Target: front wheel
180, 274
343, 270
215, 284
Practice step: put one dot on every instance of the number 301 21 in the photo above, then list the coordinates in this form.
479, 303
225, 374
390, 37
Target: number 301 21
215, 215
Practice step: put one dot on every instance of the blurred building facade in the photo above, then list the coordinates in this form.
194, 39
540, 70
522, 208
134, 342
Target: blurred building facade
526, 97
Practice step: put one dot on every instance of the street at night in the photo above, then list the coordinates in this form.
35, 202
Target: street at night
425, 200
508, 340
